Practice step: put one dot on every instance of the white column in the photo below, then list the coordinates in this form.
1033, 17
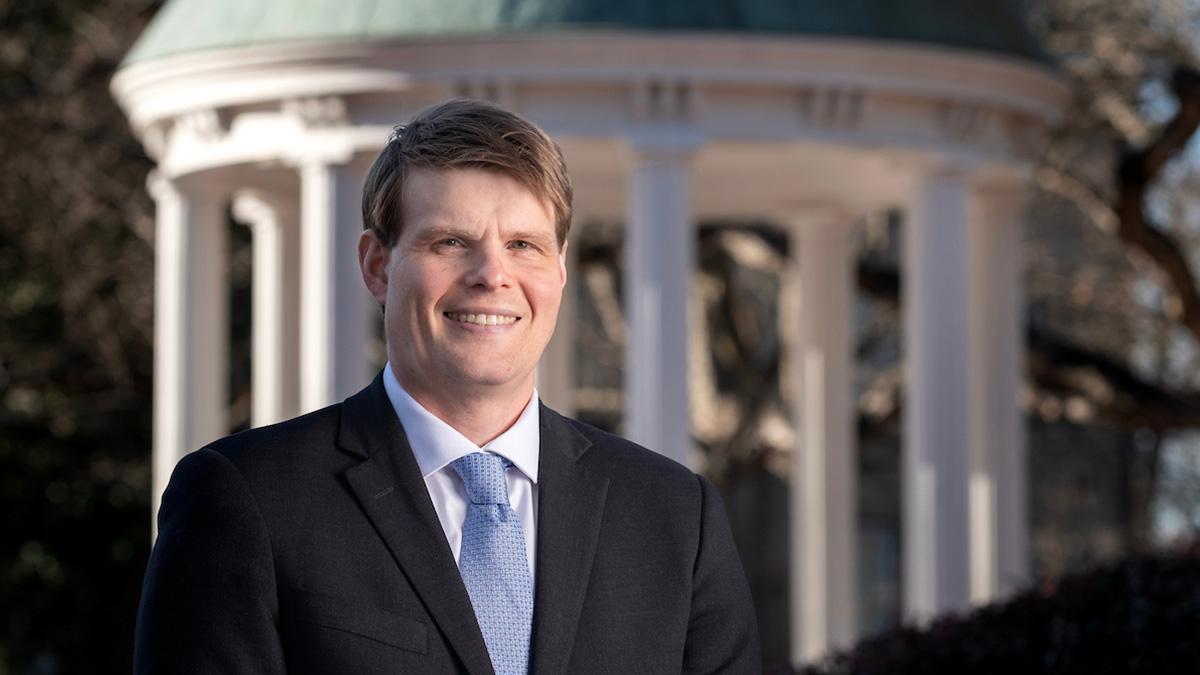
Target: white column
275, 383
999, 529
334, 314
934, 480
556, 370
191, 325
659, 254
824, 465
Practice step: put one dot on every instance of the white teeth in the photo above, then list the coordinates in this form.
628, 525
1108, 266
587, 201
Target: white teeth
482, 319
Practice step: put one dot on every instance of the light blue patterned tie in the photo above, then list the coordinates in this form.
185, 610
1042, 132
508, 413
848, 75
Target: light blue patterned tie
493, 564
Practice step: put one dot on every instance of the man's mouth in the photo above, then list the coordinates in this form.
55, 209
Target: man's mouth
481, 319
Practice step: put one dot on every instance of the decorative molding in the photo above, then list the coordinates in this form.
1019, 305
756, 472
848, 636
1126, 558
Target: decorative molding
665, 95
259, 74
661, 100
962, 121
498, 90
831, 107
206, 125
317, 112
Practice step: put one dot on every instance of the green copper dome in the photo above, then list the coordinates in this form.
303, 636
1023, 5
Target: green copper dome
183, 26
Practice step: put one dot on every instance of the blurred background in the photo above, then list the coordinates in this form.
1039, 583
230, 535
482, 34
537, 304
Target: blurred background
718, 154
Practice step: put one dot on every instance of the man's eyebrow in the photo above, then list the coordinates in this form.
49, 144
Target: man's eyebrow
536, 237
443, 232
435, 233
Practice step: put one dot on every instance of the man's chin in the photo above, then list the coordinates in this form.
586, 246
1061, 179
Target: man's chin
485, 378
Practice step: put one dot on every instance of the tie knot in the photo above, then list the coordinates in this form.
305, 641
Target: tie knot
483, 475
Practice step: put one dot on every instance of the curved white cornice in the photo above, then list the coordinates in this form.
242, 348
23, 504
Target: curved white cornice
152, 90
329, 101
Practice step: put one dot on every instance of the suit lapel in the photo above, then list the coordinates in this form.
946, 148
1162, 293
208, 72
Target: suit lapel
570, 506
390, 489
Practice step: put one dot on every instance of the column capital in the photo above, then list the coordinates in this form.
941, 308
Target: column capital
946, 168
917, 168
1000, 190
257, 207
825, 217
322, 148
162, 185
159, 186
664, 143
251, 208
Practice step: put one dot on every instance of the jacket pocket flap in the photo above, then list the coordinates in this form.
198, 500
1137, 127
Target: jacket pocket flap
360, 619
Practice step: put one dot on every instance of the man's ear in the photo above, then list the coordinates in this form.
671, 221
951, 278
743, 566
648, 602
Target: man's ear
562, 262
373, 262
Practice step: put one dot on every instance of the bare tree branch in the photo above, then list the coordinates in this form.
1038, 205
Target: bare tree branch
1083, 196
1058, 367
1135, 174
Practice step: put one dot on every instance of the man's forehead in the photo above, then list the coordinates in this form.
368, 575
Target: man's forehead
424, 195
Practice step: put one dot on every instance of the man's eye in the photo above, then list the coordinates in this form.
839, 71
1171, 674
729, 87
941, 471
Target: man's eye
520, 243
451, 242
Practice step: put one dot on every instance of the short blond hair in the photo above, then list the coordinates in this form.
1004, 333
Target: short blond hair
465, 134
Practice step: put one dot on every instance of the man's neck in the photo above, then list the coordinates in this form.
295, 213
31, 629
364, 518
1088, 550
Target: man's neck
478, 414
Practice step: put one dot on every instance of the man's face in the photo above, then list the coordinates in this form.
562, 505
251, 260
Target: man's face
472, 287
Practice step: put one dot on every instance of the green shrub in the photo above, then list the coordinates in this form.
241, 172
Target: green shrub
1140, 616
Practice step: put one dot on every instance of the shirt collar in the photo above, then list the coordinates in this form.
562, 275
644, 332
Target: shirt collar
435, 444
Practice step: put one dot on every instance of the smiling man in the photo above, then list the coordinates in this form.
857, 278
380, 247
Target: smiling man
442, 520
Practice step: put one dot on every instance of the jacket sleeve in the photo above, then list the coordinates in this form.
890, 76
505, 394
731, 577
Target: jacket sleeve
722, 632
209, 602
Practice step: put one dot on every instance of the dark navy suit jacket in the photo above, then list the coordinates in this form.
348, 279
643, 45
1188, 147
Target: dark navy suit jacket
312, 546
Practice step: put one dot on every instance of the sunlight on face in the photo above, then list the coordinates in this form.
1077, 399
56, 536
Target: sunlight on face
473, 284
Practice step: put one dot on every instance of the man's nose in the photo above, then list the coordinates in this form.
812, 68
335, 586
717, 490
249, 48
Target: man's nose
489, 268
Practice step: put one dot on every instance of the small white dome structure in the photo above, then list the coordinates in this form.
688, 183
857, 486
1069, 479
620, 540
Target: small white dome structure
807, 114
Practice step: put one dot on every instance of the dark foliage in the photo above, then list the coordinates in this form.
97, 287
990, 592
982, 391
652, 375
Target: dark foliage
1141, 616
75, 340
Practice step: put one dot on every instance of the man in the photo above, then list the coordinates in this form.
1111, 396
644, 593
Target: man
442, 519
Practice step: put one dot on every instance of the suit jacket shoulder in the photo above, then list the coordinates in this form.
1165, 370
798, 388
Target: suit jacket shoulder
299, 441
665, 590
619, 456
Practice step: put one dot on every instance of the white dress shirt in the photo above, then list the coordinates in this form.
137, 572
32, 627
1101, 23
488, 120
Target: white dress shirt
436, 444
